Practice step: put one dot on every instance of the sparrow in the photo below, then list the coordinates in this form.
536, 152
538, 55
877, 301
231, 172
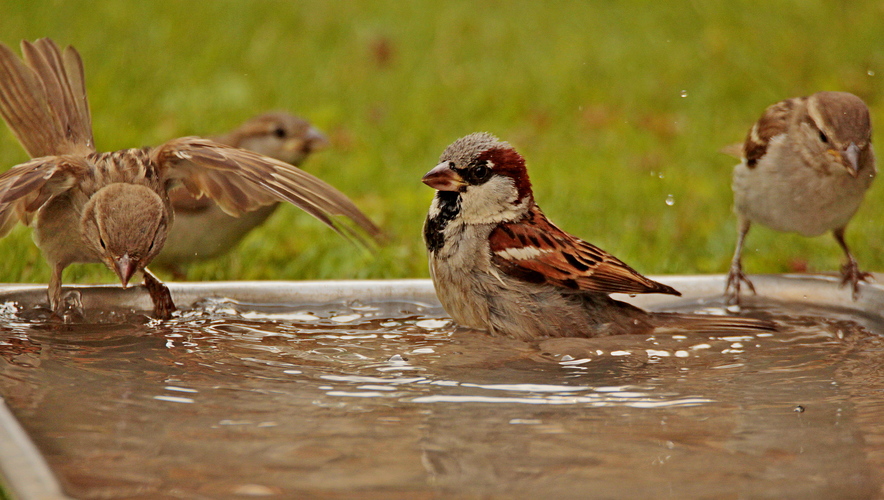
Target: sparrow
202, 230
114, 207
499, 265
806, 165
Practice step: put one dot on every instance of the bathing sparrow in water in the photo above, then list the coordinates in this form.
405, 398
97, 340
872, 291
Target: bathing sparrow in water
203, 230
114, 208
806, 165
499, 265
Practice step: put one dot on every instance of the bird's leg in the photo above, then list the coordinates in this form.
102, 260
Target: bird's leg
54, 291
850, 272
163, 307
735, 277
67, 307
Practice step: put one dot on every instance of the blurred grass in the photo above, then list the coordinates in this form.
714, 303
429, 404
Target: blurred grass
616, 107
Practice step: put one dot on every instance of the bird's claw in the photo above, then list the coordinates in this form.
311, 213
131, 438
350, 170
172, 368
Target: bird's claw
733, 284
163, 306
850, 274
71, 307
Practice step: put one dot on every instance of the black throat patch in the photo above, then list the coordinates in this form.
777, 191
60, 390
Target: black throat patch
434, 228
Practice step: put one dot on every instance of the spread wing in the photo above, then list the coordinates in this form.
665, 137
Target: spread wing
773, 122
535, 250
43, 99
26, 187
239, 181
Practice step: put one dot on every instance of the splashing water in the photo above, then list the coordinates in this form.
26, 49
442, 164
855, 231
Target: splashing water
335, 399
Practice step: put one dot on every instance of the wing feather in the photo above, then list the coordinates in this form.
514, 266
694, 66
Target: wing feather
537, 251
26, 187
240, 181
43, 99
773, 122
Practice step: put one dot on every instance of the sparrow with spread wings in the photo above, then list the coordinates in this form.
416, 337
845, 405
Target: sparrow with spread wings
88, 206
202, 229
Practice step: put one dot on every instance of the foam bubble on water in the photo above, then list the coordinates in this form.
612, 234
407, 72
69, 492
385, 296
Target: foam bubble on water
286, 316
346, 318
432, 324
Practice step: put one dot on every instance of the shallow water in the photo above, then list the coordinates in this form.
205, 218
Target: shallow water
390, 400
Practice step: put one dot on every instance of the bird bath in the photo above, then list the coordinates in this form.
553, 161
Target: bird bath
363, 388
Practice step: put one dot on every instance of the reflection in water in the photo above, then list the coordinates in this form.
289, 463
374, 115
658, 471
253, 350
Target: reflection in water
390, 400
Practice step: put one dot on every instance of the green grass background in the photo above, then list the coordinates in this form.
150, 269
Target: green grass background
616, 106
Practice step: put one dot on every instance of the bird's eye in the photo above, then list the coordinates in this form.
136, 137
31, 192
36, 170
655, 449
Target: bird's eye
823, 137
451, 164
480, 172
279, 132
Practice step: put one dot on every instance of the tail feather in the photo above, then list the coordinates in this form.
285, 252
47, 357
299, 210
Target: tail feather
43, 99
707, 323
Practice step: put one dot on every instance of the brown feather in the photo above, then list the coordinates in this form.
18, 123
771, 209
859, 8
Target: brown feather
563, 260
44, 99
23, 104
773, 122
240, 180
26, 187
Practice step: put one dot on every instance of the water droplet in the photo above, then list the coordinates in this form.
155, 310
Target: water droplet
684, 93
870, 72
670, 200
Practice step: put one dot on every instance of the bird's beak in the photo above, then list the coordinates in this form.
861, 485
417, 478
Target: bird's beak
444, 178
851, 154
315, 140
125, 267
849, 157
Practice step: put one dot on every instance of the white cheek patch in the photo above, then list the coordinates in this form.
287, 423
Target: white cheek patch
491, 202
521, 253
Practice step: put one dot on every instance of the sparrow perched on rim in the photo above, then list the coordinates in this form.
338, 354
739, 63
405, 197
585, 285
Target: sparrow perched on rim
114, 208
499, 265
806, 165
202, 230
